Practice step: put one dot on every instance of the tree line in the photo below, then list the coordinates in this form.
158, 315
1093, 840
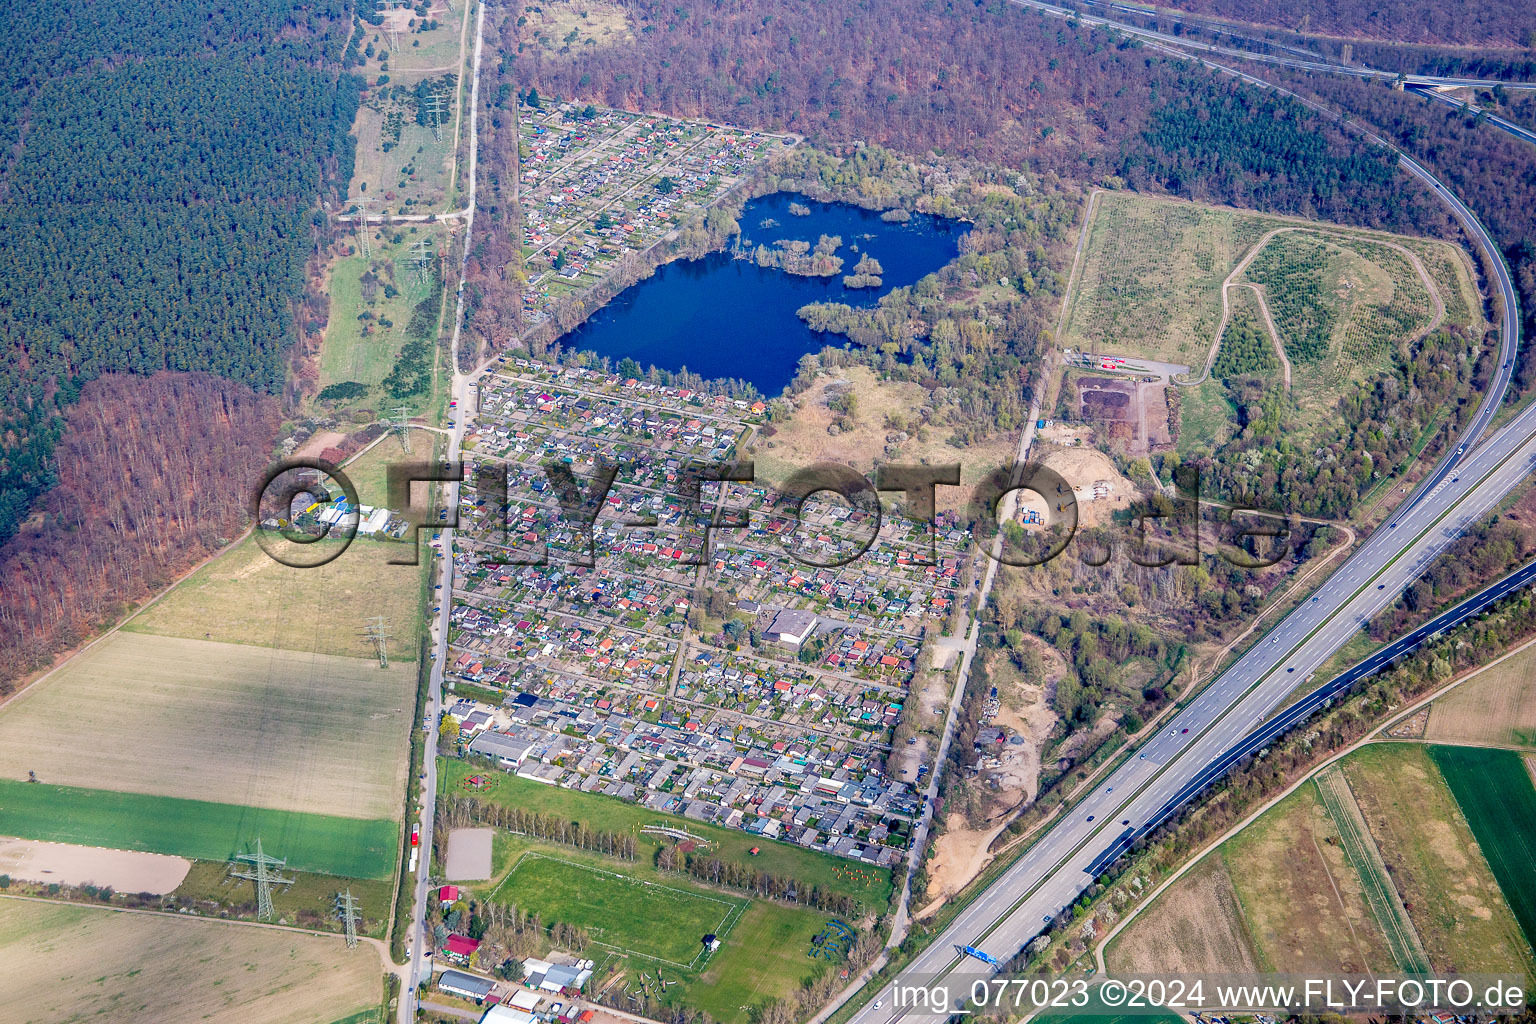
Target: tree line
1497, 22
733, 875
457, 811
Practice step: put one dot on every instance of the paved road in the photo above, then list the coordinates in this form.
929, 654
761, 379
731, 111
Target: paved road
1186, 753
1303, 708
1509, 303
462, 389
1298, 63
1188, 750
1506, 126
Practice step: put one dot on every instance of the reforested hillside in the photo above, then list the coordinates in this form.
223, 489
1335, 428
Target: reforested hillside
162, 166
1493, 172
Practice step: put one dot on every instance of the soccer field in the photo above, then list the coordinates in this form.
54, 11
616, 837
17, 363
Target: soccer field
1495, 792
352, 847
227, 723
648, 919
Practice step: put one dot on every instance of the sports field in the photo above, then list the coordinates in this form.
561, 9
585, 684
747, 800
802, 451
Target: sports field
629, 915
352, 847
872, 886
765, 951
221, 722
72, 964
1495, 792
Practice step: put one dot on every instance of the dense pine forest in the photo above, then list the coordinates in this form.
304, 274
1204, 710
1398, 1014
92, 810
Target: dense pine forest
163, 166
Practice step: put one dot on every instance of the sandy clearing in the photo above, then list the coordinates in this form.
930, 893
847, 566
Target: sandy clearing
960, 854
318, 443
1083, 468
469, 854
123, 870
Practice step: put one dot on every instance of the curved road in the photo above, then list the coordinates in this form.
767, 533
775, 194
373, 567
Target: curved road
1269, 58
1188, 752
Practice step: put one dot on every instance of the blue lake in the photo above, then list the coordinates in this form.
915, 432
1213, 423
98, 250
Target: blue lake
725, 317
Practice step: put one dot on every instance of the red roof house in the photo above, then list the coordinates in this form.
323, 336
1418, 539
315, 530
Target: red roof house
461, 947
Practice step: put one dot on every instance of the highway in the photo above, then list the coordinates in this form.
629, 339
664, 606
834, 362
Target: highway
462, 390
1506, 126
1302, 709
1189, 751
1297, 63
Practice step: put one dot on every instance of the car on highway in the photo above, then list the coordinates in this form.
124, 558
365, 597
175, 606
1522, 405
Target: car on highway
1090, 817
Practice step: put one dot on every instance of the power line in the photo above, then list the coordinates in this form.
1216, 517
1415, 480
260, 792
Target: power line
346, 909
421, 258
361, 202
403, 426
264, 878
375, 633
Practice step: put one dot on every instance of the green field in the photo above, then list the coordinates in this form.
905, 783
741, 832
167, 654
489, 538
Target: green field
197, 829
765, 952
870, 885
1375, 882
226, 723
245, 597
765, 957
1206, 418
372, 302
1495, 792
1343, 304
627, 915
